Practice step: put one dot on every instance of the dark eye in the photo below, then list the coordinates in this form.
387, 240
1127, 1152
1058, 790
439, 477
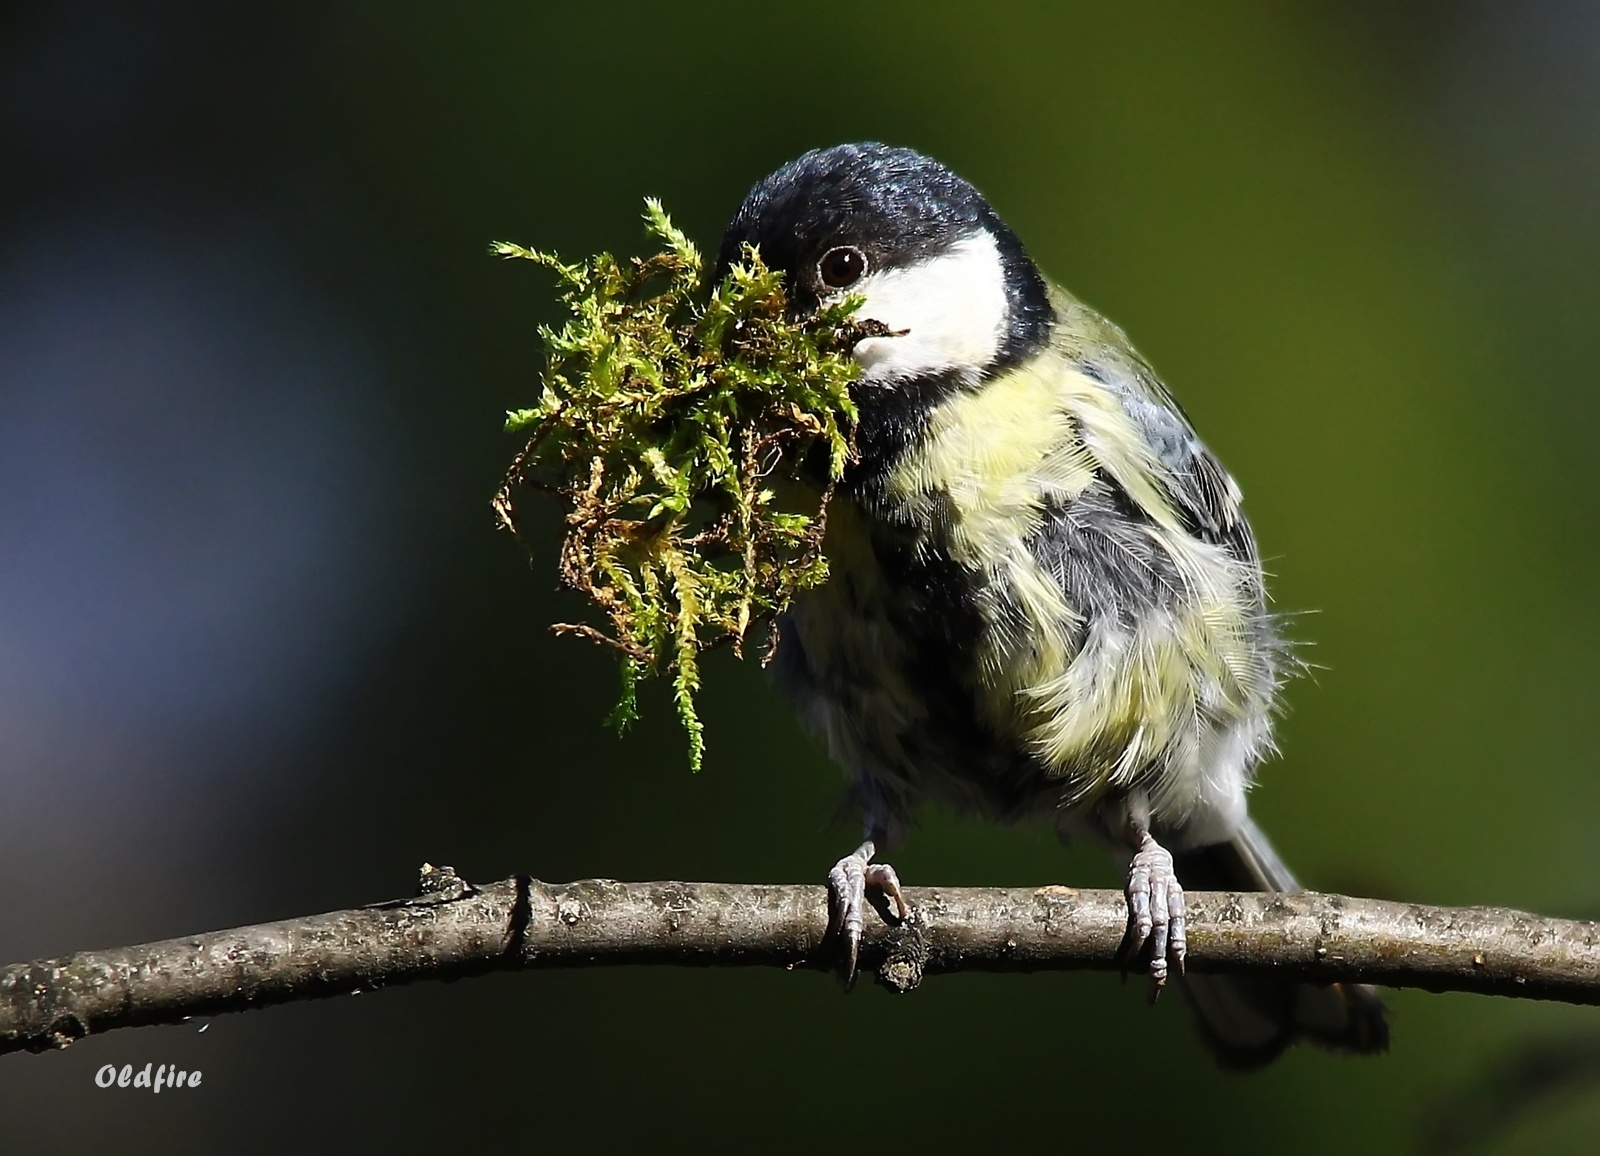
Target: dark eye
842, 266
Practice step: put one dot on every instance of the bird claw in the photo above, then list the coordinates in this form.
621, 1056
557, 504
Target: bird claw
1156, 924
847, 893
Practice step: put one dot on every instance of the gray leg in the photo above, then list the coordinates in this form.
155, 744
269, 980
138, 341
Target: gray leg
847, 894
1155, 903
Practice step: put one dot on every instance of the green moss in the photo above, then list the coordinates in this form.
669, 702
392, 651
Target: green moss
671, 425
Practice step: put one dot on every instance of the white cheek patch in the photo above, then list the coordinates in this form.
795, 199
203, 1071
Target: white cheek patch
952, 308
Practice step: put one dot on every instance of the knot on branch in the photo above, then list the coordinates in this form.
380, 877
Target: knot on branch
907, 954
441, 884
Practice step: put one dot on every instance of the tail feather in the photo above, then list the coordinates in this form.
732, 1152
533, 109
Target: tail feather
1248, 1020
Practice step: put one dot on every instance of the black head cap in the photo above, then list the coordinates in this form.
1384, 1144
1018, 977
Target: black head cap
895, 205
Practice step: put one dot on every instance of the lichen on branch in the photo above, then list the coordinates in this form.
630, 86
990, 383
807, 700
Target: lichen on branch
693, 440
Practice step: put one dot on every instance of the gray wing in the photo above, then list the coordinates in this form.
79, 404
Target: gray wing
1203, 493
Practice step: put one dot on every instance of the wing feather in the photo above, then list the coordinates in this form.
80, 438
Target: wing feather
1201, 491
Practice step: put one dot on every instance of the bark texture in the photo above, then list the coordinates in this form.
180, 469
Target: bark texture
454, 929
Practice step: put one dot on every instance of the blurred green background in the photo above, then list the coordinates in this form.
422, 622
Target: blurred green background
262, 652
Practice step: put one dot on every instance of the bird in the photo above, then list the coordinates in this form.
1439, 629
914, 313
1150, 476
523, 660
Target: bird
1044, 600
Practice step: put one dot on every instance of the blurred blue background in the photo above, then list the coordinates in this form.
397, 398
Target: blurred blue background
262, 651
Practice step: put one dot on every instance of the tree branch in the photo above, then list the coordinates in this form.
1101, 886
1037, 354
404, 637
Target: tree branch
454, 929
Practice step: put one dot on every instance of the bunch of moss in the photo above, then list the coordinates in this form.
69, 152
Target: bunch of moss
693, 436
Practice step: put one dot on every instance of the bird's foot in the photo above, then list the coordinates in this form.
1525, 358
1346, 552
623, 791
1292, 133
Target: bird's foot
1155, 912
847, 896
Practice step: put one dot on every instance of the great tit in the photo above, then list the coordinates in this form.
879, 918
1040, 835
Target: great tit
1044, 600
